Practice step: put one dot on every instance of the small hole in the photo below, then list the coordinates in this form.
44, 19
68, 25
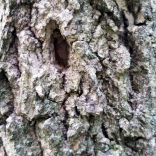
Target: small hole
61, 48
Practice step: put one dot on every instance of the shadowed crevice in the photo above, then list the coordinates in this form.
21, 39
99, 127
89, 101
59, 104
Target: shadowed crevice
6, 98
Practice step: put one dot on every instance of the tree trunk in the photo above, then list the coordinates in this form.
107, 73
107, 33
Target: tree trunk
77, 77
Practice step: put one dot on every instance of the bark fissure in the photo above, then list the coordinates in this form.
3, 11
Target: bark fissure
78, 77
65, 118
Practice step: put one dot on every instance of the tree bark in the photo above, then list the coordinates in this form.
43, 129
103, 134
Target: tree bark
89, 89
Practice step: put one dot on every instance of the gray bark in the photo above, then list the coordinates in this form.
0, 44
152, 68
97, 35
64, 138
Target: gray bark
103, 103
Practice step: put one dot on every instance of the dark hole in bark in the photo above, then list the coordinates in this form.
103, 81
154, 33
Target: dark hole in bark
104, 131
61, 48
77, 111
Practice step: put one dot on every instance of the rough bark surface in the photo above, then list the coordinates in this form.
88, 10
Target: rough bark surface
103, 103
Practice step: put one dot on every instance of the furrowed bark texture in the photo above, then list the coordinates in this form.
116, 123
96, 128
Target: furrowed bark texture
103, 104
